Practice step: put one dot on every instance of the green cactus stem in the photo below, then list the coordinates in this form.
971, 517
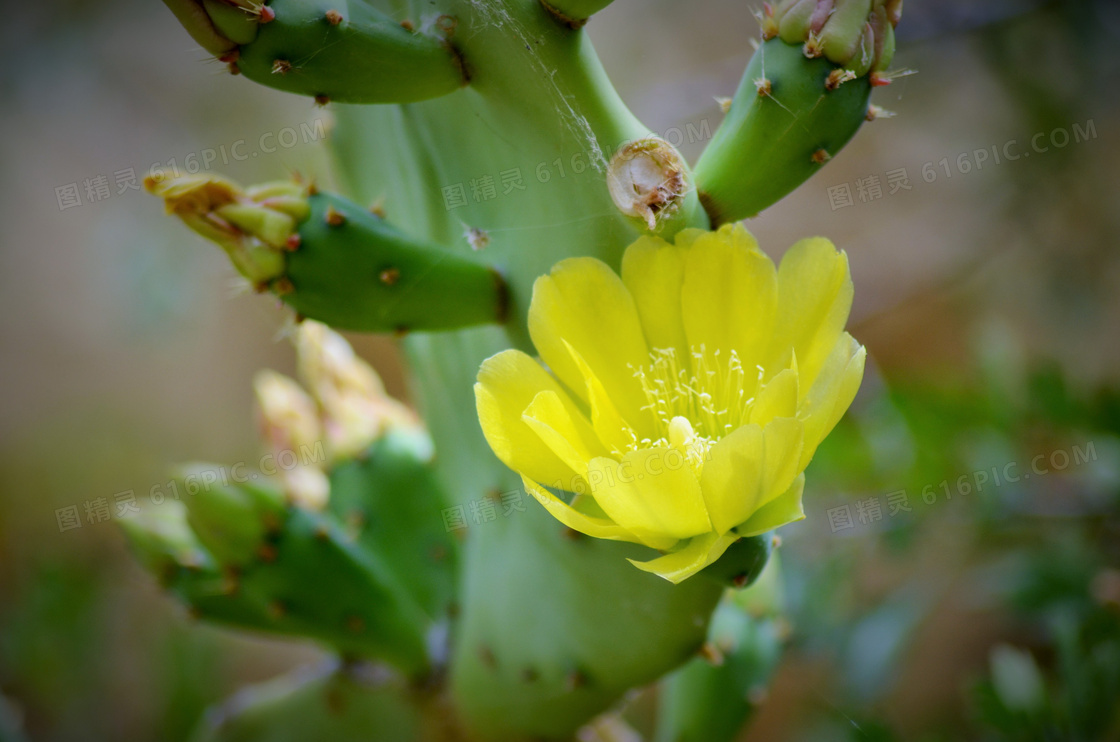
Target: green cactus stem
713, 696
336, 702
783, 126
743, 561
803, 96
710, 698
540, 668
334, 261
343, 50
237, 555
355, 272
389, 502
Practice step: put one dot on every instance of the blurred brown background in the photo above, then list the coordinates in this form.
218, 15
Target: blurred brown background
127, 345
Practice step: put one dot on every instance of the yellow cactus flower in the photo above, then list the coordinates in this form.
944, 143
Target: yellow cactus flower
680, 403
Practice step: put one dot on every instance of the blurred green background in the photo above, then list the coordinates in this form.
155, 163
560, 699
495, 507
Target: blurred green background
958, 575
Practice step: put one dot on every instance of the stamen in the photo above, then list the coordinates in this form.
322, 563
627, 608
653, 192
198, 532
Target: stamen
693, 407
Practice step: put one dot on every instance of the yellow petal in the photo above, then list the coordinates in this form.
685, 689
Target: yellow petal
777, 399
615, 433
749, 468
731, 477
507, 384
814, 299
574, 519
653, 271
568, 436
782, 440
652, 493
832, 394
686, 237
696, 554
583, 303
729, 294
785, 508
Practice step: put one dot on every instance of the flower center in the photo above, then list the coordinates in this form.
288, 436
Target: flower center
697, 401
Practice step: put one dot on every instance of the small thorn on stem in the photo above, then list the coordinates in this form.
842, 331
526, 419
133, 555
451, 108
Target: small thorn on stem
821, 156
814, 47
389, 276
281, 67
724, 103
875, 112
838, 77
711, 654
763, 86
234, 69
293, 241
322, 99
476, 238
408, 25
231, 56
266, 14
334, 218
377, 208
878, 80
576, 679
739, 581
776, 541
333, 17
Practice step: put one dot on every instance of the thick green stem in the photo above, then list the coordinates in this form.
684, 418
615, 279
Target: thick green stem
355, 272
344, 50
522, 155
788, 118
